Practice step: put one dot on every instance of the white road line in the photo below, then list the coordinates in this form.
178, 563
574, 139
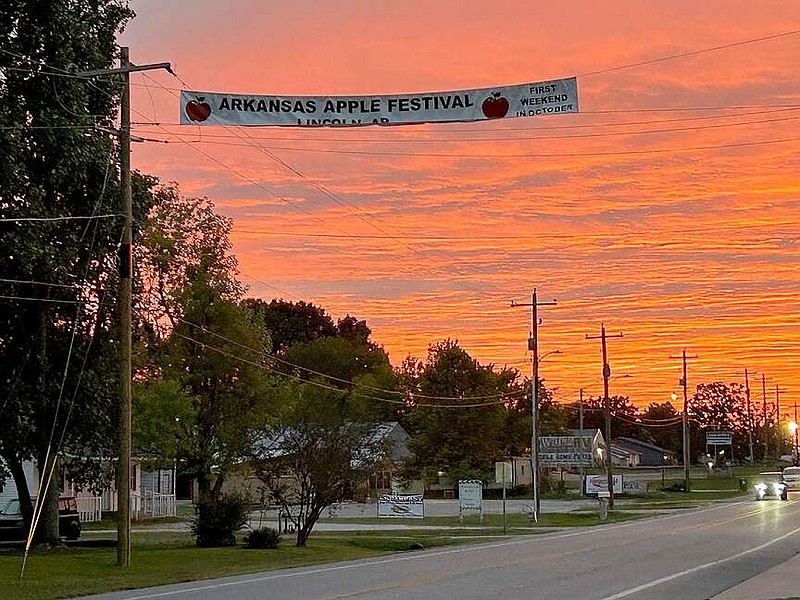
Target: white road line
661, 580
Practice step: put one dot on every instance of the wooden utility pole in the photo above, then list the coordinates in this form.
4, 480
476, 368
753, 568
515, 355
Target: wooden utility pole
125, 300
607, 408
533, 347
749, 413
580, 427
684, 381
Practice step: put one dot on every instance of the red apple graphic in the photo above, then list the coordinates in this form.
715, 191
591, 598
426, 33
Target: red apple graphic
495, 106
198, 110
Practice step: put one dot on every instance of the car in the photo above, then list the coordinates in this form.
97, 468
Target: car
770, 485
12, 525
791, 478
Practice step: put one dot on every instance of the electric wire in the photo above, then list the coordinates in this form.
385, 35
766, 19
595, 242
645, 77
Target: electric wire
355, 391
345, 381
526, 138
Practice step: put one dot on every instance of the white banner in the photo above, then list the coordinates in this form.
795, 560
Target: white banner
599, 483
401, 507
525, 100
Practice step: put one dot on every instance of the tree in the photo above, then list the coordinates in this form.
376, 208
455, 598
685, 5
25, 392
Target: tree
56, 164
661, 425
456, 414
206, 352
309, 456
354, 365
289, 322
553, 418
721, 407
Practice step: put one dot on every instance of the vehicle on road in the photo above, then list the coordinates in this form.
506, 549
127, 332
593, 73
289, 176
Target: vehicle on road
791, 478
770, 485
12, 525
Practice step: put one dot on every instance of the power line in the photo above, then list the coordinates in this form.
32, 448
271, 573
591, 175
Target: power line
692, 53
339, 380
769, 142
333, 388
494, 138
63, 218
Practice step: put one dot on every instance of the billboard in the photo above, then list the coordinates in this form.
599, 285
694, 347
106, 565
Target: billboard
565, 451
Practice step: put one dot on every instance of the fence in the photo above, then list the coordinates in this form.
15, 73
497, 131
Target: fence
90, 508
153, 505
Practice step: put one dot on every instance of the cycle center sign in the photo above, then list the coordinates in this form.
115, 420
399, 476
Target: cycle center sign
555, 96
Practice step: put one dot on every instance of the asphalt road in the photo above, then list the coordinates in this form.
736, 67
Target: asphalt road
683, 555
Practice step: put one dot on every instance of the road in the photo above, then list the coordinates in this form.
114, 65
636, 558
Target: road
683, 555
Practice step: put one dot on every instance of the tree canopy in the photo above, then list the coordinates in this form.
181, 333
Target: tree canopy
57, 167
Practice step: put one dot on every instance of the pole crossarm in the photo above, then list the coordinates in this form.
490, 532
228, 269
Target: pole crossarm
533, 346
124, 69
606, 406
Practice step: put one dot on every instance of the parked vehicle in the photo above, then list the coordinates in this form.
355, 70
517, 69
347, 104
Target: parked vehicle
770, 485
791, 478
12, 525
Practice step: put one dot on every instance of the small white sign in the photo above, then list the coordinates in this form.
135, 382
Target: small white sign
502, 472
470, 495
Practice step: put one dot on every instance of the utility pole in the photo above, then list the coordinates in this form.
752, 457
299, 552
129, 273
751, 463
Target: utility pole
749, 413
796, 452
764, 411
607, 408
125, 300
533, 346
580, 427
685, 420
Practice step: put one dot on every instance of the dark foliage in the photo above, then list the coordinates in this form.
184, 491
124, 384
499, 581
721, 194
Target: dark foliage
216, 522
265, 538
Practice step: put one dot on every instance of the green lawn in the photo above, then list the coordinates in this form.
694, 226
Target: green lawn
160, 557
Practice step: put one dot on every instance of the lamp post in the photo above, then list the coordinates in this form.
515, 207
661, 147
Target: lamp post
793, 426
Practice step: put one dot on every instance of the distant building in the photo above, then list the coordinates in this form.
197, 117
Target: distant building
642, 454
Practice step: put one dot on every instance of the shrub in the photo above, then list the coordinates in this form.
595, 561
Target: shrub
264, 538
216, 522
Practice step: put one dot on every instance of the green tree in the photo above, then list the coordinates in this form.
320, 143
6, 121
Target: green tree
355, 365
661, 425
456, 414
291, 322
56, 165
310, 455
207, 356
721, 407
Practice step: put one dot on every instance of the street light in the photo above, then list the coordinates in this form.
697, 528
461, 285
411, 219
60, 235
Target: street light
793, 426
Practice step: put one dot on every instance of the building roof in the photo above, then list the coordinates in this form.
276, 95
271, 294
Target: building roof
637, 444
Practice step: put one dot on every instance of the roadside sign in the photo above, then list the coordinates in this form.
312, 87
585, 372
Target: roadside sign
401, 507
719, 438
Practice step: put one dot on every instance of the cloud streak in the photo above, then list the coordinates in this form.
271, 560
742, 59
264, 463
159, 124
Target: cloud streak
667, 209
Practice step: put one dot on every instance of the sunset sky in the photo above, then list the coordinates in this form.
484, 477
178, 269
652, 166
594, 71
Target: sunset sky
666, 209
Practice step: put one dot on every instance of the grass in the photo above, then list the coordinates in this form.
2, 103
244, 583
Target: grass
162, 556
67, 572
168, 556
